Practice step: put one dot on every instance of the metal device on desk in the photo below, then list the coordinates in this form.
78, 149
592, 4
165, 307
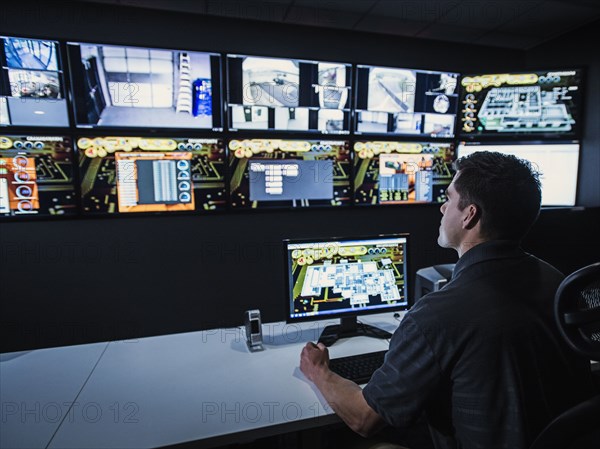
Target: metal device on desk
253, 325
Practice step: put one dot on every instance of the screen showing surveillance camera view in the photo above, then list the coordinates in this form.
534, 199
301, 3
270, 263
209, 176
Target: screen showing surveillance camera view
405, 102
31, 83
36, 176
269, 173
140, 174
288, 95
391, 172
116, 86
536, 102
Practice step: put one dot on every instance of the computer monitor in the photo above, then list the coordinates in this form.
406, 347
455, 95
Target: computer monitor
289, 173
407, 102
117, 86
127, 174
345, 277
401, 172
557, 162
288, 94
32, 91
536, 102
36, 176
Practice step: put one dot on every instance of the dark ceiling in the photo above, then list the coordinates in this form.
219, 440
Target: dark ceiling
514, 24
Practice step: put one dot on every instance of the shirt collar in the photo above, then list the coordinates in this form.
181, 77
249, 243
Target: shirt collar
492, 249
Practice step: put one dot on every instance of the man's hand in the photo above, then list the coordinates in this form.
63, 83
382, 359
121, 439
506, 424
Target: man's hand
343, 395
314, 360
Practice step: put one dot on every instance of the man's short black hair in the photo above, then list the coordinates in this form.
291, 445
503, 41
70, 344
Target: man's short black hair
506, 189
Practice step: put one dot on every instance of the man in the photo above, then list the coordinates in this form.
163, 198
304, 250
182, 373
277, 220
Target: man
482, 358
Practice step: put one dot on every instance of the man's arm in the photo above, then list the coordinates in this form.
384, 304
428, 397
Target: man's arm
343, 395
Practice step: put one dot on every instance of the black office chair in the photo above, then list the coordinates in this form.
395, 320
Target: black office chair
577, 311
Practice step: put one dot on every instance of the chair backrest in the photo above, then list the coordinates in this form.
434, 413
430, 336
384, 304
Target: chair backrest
577, 310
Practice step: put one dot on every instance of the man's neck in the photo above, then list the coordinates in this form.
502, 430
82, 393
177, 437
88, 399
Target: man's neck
467, 244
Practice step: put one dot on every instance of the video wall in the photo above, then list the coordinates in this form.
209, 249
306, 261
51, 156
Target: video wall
96, 129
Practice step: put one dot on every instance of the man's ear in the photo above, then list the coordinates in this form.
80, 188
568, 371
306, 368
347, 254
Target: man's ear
471, 216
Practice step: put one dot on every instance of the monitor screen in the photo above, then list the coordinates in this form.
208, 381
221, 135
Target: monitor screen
392, 172
558, 163
36, 176
332, 278
140, 174
288, 94
405, 102
267, 173
535, 102
32, 90
117, 87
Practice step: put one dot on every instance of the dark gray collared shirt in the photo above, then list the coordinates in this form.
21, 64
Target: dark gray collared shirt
482, 357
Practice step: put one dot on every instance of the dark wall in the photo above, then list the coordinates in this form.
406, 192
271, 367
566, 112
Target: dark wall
83, 280
575, 51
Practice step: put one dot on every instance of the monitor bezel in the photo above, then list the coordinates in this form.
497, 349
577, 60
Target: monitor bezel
334, 316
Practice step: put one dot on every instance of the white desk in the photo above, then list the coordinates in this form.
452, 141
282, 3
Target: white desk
37, 390
205, 387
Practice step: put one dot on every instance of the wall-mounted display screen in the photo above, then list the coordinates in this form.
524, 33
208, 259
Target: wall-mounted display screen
288, 94
36, 176
392, 172
557, 163
118, 86
405, 102
535, 102
139, 174
32, 91
289, 173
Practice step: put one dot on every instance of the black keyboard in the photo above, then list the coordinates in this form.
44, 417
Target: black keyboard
358, 368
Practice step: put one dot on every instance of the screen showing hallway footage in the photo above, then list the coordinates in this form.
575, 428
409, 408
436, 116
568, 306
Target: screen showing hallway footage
344, 277
32, 89
288, 95
36, 176
138, 174
406, 102
392, 172
118, 86
528, 103
271, 173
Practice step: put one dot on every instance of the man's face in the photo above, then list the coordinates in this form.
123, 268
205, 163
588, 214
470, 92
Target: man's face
452, 218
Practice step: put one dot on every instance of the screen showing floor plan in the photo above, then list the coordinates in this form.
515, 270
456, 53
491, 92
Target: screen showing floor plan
536, 102
138, 174
36, 176
557, 163
346, 276
267, 173
392, 172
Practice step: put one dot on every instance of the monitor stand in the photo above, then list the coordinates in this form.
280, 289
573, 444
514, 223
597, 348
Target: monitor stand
349, 327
